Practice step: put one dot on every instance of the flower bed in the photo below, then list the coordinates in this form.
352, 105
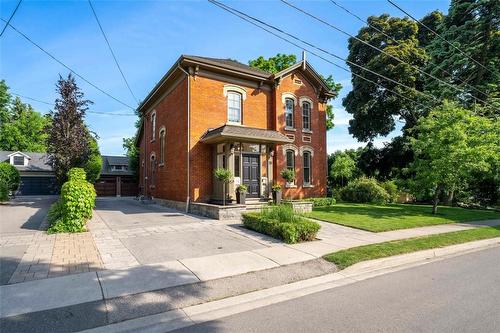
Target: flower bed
281, 222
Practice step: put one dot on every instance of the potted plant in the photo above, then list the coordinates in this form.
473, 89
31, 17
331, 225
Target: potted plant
276, 194
288, 175
224, 176
241, 194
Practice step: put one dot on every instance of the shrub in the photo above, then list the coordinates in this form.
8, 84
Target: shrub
55, 213
10, 176
288, 175
76, 204
242, 189
4, 191
282, 223
365, 190
322, 202
392, 190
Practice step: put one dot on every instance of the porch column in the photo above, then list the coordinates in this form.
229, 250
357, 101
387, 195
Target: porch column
270, 169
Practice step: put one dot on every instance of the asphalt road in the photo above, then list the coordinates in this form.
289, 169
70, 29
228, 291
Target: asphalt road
460, 294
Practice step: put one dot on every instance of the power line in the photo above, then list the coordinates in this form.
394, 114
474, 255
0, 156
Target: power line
66, 66
436, 34
233, 11
398, 43
111, 50
244, 17
95, 112
376, 48
10, 18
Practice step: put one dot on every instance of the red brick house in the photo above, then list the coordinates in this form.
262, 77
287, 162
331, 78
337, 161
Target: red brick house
207, 113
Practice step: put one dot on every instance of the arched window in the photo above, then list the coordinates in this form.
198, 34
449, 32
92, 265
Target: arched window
290, 159
153, 126
306, 116
289, 105
234, 107
153, 169
306, 166
162, 146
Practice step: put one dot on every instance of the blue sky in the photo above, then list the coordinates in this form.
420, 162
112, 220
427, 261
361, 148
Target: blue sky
148, 36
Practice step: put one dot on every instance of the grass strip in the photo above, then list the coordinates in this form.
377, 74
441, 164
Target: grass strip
348, 257
379, 218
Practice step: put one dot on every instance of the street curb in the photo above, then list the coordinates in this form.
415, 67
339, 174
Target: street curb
191, 315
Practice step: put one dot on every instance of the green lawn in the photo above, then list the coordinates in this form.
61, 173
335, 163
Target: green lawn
396, 216
354, 255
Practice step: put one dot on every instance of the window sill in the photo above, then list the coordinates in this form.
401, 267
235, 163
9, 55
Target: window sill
153, 140
161, 164
308, 186
233, 123
290, 129
304, 130
290, 185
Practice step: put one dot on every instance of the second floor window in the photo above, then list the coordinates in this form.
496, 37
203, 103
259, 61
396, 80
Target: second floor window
234, 107
306, 116
289, 112
153, 126
162, 147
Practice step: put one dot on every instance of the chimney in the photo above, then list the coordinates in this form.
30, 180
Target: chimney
303, 59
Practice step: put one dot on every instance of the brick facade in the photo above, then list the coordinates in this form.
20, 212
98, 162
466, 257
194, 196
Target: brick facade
202, 93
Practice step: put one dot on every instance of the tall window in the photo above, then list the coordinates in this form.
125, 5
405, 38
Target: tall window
290, 159
153, 125
234, 107
306, 115
162, 146
153, 170
289, 112
307, 168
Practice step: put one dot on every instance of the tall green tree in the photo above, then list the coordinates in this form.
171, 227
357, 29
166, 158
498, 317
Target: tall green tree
473, 28
21, 127
451, 146
68, 141
374, 109
93, 165
343, 168
132, 153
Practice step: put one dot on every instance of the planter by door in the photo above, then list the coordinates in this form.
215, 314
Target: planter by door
241, 198
277, 197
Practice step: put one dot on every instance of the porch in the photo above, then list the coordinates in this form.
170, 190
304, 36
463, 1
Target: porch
248, 153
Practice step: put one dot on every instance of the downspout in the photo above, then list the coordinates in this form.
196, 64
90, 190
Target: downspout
188, 152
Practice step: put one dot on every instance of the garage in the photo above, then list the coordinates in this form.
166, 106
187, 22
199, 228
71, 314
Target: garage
33, 185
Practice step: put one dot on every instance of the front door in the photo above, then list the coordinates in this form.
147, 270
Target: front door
251, 174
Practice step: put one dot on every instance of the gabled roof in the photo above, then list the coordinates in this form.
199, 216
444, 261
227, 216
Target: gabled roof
38, 161
19, 153
234, 132
109, 161
311, 74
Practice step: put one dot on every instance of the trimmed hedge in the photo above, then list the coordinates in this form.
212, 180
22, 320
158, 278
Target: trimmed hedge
276, 222
322, 202
75, 206
9, 175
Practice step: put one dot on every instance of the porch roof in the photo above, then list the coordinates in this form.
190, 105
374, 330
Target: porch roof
242, 133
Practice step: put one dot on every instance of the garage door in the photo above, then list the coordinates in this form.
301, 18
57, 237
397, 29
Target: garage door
38, 186
106, 187
129, 187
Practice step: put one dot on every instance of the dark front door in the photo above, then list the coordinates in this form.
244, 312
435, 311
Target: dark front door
251, 174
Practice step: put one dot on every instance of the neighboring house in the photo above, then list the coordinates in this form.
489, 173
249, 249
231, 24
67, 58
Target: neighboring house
208, 113
116, 178
37, 177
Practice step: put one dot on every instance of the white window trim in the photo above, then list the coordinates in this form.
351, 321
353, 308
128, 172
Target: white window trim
307, 148
231, 87
286, 95
290, 146
153, 125
306, 99
26, 158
